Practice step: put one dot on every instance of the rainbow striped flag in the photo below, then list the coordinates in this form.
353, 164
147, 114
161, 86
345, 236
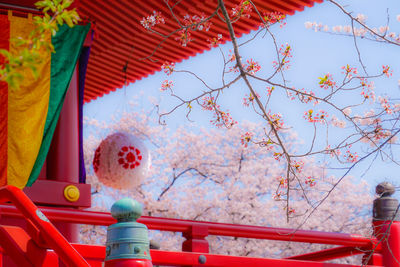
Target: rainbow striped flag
28, 115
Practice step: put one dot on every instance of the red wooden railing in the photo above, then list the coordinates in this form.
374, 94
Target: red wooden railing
40, 227
220, 229
194, 247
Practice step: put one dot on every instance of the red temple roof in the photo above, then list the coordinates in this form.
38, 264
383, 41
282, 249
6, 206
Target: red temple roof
120, 38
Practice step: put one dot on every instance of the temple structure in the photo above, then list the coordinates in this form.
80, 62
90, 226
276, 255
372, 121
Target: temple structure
119, 50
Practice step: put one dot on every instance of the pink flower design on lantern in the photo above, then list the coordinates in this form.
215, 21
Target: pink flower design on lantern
96, 159
129, 157
124, 161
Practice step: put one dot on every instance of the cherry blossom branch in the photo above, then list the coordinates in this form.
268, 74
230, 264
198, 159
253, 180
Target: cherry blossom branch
371, 31
175, 177
375, 128
341, 179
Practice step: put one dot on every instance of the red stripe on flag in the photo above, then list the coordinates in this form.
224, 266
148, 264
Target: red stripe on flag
4, 44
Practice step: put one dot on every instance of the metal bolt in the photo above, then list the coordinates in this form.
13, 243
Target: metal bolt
202, 259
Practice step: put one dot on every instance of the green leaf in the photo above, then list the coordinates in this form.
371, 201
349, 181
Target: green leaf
59, 20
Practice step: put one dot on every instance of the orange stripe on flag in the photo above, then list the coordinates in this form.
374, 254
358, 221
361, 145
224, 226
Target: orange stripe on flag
4, 44
27, 107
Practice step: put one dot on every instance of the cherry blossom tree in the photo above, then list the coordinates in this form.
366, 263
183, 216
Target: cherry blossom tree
263, 172
203, 174
347, 117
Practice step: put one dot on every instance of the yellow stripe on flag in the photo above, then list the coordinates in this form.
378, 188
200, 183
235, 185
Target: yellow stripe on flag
27, 110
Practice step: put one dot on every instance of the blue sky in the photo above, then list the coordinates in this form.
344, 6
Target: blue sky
314, 54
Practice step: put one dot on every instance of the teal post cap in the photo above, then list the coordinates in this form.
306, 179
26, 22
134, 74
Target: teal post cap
127, 239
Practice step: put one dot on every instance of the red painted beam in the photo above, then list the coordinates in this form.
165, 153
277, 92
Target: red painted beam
96, 254
39, 193
330, 254
194, 259
220, 229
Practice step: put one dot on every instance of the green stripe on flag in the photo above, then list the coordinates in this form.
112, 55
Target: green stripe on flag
67, 45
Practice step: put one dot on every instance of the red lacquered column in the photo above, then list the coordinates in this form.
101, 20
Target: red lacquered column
386, 223
63, 158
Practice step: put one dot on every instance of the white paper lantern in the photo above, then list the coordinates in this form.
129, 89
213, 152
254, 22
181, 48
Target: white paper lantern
121, 161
